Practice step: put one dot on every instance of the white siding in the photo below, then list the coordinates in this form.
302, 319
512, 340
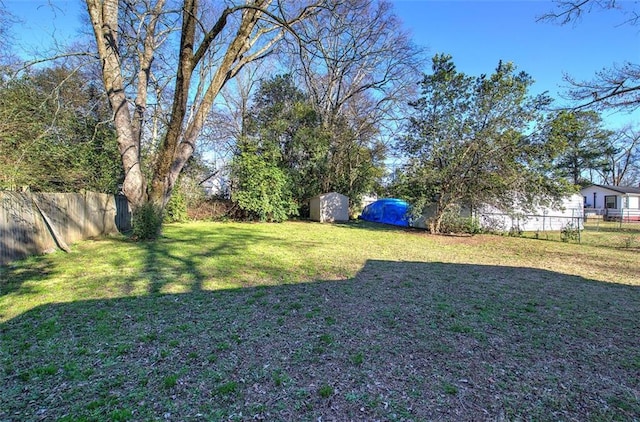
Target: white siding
600, 194
540, 219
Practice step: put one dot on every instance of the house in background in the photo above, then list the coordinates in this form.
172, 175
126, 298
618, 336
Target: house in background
619, 203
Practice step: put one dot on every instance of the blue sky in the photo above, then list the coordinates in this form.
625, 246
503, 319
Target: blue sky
41, 21
477, 33
480, 33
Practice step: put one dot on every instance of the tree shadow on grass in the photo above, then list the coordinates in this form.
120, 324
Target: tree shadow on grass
183, 260
401, 340
176, 258
367, 225
13, 275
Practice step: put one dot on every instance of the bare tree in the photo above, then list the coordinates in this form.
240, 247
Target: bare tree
616, 87
208, 54
6, 22
231, 113
359, 51
624, 159
226, 122
360, 68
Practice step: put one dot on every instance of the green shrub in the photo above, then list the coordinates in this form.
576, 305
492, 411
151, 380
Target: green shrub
146, 222
176, 209
262, 189
452, 223
570, 232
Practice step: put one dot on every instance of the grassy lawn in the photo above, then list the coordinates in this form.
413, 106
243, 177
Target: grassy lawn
606, 234
303, 321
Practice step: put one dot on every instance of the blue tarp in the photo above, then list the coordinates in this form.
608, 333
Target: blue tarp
388, 210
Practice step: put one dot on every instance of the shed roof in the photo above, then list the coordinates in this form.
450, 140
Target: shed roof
322, 195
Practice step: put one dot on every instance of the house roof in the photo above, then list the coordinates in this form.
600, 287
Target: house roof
622, 189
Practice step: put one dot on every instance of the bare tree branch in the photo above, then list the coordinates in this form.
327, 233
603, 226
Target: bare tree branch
617, 87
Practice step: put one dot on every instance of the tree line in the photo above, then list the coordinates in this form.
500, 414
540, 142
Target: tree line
288, 100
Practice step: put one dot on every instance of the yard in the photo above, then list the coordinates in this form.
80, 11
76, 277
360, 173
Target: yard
302, 321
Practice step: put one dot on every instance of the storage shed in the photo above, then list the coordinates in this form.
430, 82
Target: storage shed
329, 207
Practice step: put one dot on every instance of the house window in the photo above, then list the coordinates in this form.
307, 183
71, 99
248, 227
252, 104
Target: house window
626, 202
610, 201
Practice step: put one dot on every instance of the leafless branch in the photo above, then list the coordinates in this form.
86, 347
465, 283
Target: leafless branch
615, 88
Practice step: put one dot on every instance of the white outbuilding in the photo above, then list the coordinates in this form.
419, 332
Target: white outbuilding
568, 213
329, 207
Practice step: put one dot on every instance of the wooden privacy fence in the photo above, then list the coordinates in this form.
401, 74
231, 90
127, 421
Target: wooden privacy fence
36, 223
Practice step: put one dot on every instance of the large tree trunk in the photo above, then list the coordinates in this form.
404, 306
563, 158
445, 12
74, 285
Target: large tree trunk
179, 142
442, 206
435, 222
104, 19
178, 145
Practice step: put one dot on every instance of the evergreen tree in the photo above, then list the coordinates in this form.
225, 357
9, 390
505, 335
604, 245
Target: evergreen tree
582, 145
468, 142
55, 135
